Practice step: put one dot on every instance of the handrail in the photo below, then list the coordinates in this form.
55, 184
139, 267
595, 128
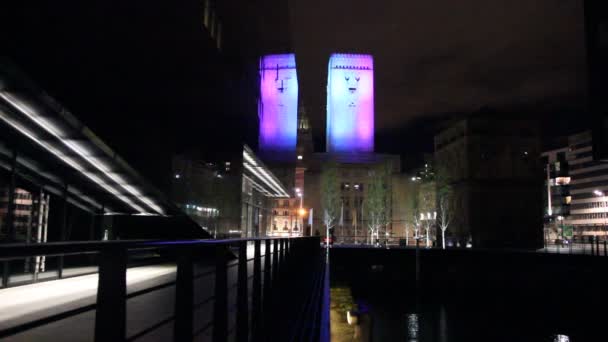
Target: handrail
112, 295
20, 250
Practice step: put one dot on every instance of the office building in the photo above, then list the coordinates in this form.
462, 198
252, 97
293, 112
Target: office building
556, 197
229, 197
588, 188
493, 168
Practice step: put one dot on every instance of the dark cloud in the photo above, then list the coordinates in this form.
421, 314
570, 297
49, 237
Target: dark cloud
439, 56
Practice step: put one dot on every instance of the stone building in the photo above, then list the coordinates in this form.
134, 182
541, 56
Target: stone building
493, 168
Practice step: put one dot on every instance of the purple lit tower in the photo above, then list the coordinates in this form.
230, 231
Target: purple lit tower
350, 103
278, 106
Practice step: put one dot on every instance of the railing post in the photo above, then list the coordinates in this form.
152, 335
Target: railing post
5, 273
110, 319
256, 300
275, 261
220, 308
597, 245
282, 257
242, 309
184, 293
268, 267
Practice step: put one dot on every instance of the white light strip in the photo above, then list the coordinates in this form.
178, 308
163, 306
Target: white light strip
267, 178
71, 162
255, 172
259, 187
49, 127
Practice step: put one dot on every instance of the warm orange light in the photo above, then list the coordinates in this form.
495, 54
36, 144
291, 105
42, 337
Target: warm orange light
302, 212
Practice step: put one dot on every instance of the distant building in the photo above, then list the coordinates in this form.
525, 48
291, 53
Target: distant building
350, 103
231, 197
557, 198
349, 146
588, 188
278, 107
596, 34
493, 168
30, 215
353, 180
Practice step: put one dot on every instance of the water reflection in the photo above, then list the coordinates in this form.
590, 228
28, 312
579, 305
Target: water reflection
413, 327
561, 338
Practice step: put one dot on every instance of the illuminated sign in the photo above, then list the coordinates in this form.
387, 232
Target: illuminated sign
350, 103
278, 106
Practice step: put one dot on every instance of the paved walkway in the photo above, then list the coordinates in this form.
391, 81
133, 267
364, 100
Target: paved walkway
27, 303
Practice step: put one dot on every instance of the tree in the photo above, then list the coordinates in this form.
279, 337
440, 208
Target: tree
377, 201
412, 214
330, 193
445, 203
427, 208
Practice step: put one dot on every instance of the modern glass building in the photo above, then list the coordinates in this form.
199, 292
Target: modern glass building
231, 197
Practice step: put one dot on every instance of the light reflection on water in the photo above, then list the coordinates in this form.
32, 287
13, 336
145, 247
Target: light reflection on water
561, 338
413, 327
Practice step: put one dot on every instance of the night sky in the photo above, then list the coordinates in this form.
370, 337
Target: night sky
443, 56
135, 71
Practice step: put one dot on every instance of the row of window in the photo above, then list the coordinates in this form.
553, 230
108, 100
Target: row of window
283, 203
583, 165
353, 187
285, 228
18, 195
589, 216
590, 205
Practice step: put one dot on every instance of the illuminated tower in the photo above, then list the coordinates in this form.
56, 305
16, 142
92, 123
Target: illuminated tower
350, 103
278, 106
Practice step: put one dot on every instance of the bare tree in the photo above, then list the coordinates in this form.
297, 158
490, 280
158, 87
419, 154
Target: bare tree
427, 208
445, 202
330, 196
377, 202
445, 216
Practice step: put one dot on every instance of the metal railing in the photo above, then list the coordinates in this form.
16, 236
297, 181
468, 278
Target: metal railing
285, 264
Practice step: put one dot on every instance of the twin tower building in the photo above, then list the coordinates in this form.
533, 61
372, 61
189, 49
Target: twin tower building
350, 104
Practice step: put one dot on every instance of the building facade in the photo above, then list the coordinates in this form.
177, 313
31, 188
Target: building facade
588, 188
557, 198
494, 172
354, 175
231, 197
